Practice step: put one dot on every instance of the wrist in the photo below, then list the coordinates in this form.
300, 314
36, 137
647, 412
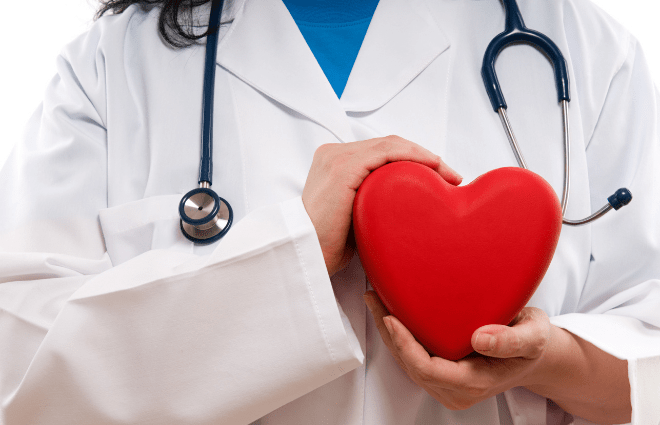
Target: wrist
552, 368
582, 379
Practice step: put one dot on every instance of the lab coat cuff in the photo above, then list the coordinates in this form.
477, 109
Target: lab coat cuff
339, 334
628, 339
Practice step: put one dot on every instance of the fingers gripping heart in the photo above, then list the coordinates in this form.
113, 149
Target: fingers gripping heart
508, 355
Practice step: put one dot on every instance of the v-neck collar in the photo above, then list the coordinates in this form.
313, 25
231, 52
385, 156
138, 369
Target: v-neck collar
265, 49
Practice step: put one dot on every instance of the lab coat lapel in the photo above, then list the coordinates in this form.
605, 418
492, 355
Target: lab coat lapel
265, 48
402, 40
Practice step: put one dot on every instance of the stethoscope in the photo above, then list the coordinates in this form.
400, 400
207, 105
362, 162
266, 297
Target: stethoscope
514, 32
206, 217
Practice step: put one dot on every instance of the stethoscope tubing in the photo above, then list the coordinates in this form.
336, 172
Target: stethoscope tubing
206, 162
516, 32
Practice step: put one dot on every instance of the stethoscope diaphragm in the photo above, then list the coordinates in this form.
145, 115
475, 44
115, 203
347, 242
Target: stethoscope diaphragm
205, 217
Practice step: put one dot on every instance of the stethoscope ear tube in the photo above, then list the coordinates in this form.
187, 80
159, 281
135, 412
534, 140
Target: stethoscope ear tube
516, 32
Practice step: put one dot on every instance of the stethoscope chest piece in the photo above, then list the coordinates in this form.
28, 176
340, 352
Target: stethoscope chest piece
205, 217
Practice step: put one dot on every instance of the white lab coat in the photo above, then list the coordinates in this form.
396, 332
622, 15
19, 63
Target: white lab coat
108, 315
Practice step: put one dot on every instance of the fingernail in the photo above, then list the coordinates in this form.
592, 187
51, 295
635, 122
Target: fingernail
388, 325
451, 170
485, 342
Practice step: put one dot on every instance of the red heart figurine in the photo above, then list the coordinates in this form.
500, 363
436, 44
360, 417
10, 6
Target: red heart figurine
446, 260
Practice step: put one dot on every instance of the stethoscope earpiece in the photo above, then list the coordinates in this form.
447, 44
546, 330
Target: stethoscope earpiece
620, 199
205, 217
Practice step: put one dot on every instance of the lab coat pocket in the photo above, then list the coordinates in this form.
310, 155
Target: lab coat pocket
136, 227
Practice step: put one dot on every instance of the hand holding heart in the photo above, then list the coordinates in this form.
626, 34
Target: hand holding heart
508, 357
337, 171
447, 260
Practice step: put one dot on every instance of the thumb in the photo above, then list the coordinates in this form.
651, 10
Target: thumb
527, 338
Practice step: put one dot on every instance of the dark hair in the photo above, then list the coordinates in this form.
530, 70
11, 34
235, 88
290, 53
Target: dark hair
172, 14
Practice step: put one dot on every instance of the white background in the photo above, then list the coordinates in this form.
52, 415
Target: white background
34, 31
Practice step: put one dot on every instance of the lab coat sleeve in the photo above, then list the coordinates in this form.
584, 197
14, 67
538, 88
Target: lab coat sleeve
619, 309
167, 336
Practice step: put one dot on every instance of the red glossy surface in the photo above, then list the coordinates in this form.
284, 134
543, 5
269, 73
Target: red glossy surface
447, 260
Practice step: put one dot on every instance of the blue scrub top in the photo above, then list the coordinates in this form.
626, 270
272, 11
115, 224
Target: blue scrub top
334, 31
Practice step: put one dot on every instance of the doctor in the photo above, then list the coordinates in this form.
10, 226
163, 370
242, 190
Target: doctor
108, 315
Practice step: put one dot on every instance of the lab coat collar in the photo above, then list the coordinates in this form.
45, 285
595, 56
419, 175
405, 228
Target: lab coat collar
265, 49
402, 40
